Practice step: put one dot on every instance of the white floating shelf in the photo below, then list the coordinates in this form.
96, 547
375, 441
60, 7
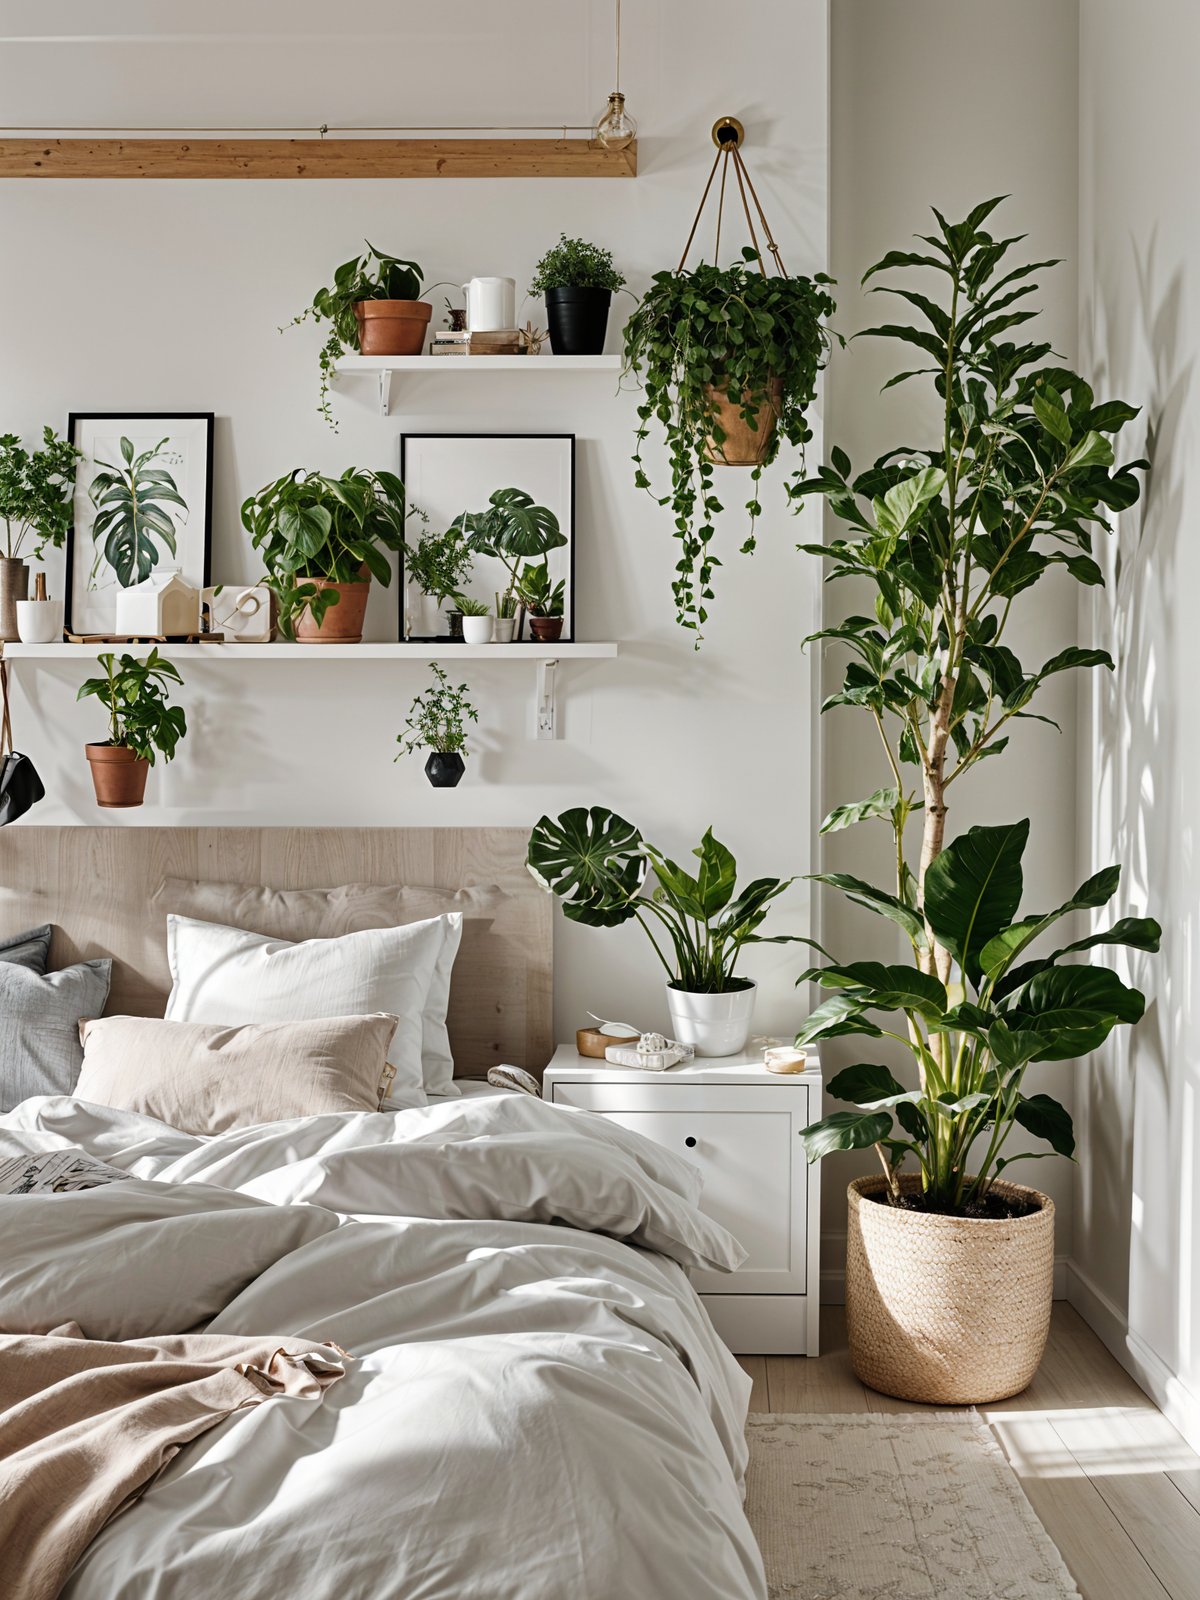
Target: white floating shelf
383, 367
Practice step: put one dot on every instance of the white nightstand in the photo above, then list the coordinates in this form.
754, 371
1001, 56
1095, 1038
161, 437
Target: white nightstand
740, 1124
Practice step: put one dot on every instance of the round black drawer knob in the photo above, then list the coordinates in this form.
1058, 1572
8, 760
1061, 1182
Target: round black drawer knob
690, 1142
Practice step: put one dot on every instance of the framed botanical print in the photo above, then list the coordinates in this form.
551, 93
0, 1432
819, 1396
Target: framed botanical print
142, 506
447, 475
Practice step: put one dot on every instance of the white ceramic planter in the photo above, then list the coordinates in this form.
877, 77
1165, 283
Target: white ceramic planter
503, 629
713, 1024
477, 630
40, 621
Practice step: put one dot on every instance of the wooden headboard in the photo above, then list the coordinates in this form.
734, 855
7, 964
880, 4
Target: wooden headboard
94, 886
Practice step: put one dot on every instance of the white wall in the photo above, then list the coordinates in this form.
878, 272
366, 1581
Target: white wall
1137, 1246
169, 294
947, 102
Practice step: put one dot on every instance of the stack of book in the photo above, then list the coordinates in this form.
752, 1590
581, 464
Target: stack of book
500, 342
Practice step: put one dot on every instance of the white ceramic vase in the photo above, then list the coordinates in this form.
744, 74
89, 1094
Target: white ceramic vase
503, 629
713, 1024
477, 630
40, 621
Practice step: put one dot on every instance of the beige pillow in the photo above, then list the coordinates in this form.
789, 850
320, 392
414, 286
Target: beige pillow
204, 1077
299, 914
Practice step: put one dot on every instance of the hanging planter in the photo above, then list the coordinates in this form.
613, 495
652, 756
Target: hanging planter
437, 722
728, 359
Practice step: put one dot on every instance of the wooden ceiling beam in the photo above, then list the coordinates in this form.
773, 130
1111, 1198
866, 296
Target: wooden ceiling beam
313, 158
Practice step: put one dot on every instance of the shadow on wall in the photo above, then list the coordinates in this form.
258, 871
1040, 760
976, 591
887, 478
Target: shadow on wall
1138, 1097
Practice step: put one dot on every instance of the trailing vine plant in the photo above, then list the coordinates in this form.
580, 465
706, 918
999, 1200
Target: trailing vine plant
949, 538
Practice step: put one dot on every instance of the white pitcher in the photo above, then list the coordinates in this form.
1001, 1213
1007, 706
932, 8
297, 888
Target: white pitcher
491, 304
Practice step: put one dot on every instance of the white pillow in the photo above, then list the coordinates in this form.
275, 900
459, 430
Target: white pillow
227, 975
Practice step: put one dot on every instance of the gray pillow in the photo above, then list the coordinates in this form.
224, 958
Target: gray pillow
29, 949
40, 1015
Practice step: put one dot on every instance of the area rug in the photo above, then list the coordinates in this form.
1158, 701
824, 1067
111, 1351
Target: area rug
894, 1507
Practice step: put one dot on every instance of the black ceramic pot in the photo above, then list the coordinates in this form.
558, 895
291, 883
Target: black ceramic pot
444, 770
454, 622
578, 320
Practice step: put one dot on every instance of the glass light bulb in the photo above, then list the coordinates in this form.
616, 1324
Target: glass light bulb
615, 128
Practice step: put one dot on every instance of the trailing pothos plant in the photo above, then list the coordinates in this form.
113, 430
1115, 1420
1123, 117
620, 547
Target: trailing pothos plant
949, 539
700, 334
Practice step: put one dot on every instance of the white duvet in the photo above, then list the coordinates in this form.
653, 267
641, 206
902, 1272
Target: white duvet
538, 1409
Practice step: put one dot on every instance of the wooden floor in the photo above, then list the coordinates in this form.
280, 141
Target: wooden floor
1115, 1485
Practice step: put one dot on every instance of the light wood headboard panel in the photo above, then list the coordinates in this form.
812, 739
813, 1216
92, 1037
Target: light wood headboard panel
94, 886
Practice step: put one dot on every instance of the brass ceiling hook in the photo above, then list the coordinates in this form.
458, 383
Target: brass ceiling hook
727, 131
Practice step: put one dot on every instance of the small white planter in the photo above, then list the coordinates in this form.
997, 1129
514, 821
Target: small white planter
713, 1024
40, 621
503, 629
477, 630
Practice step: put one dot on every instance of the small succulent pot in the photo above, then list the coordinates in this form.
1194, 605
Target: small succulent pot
477, 630
454, 621
14, 586
444, 769
546, 629
577, 320
39, 621
503, 629
392, 327
118, 776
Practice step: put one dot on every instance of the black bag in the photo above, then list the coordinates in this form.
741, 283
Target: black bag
20, 786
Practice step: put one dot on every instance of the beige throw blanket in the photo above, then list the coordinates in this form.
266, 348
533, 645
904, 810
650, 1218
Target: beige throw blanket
85, 1426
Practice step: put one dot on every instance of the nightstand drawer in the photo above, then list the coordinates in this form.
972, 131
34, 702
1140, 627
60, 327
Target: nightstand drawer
747, 1147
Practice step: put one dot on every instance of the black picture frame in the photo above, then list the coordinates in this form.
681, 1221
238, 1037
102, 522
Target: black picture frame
408, 440
76, 422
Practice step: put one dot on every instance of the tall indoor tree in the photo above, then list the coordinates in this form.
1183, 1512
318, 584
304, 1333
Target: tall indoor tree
949, 539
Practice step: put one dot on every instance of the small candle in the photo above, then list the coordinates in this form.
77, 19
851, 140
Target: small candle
784, 1058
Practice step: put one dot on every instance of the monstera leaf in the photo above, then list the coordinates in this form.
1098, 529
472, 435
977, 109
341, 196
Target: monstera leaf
131, 519
512, 527
593, 860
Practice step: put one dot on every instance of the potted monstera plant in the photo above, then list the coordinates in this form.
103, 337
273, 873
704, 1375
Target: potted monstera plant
950, 1263
142, 724
514, 531
605, 873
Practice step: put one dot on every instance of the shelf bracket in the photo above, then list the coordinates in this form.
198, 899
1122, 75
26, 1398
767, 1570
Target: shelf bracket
546, 707
385, 391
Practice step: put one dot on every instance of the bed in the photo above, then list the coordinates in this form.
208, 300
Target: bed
536, 1405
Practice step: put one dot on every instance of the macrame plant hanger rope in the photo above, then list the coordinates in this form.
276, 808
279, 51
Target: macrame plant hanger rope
727, 135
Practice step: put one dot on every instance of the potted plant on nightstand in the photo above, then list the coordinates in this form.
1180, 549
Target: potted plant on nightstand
322, 540
141, 724
35, 504
437, 722
949, 1265
514, 530
598, 865
578, 281
543, 600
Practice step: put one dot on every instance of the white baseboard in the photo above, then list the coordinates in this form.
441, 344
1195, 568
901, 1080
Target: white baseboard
1177, 1402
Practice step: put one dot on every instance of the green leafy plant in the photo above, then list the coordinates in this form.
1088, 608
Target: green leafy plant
537, 594
599, 866
469, 607
306, 526
437, 719
371, 276
35, 492
513, 530
948, 539
439, 563
696, 336
134, 693
575, 264
132, 519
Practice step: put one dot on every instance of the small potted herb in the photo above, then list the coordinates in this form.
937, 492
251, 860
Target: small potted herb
438, 565
542, 599
322, 540
477, 620
436, 722
141, 722
373, 306
513, 530
35, 504
578, 281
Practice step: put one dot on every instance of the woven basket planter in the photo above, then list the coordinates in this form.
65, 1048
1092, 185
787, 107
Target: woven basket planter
947, 1310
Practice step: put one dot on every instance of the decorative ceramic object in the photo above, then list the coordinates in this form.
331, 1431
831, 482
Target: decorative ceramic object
491, 304
165, 606
40, 621
713, 1024
477, 630
342, 623
14, 586
503, 629
119, 776
392, 327
444, 770
243, 615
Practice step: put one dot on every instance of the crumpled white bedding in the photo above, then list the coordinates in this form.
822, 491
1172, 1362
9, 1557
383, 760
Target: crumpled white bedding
538, 1410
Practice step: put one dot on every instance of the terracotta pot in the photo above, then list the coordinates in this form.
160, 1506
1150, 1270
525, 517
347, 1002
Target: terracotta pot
343, 622
118, 776
947, 1310
14, 586
743, 445
546, 628
392, 327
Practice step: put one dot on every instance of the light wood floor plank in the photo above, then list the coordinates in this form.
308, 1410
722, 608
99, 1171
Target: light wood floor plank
824, 1383
755, 1368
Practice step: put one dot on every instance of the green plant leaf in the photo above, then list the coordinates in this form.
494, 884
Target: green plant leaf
1042, 1116
863, 1084
836, 1018
878, 900
1000, 951
973, 889
890, 988
844, 1130
880, 804
1075, 1009
593, 860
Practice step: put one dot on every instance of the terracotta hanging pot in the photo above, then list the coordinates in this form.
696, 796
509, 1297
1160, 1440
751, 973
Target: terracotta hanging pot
118, 776
744, 445
343, 621
392, 327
